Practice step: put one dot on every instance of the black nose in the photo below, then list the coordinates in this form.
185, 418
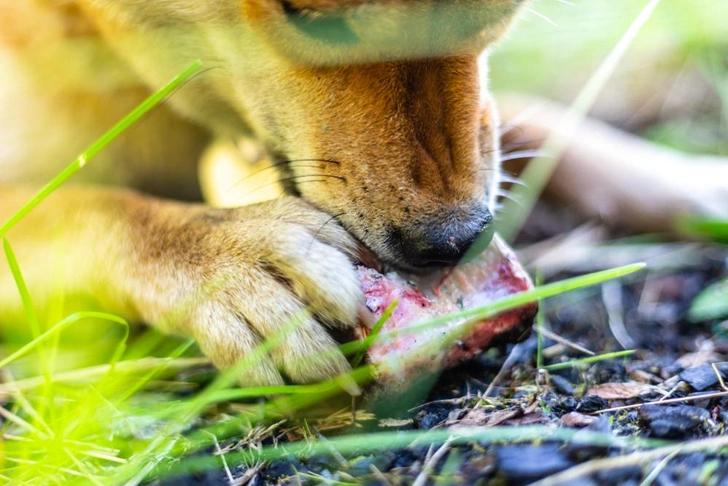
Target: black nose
436, 243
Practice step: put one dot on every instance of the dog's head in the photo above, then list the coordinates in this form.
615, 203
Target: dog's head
380, 116
375, 109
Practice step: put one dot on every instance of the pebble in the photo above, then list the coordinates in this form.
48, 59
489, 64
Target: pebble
521, 464
562, 405
592, 403
622, 476
562, 385
581, 448
673, 422
576, 419
703, 377
430, 416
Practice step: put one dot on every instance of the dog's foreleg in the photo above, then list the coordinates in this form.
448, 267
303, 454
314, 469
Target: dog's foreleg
230, 278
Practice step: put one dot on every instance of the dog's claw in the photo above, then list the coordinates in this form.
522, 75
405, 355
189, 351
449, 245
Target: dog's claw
274, 275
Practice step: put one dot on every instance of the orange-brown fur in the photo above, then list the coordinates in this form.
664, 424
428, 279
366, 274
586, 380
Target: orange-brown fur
394, 131
400, 121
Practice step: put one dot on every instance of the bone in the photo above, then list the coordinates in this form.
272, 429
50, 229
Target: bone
409, 356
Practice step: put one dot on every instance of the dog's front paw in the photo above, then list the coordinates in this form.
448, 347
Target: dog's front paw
276, 272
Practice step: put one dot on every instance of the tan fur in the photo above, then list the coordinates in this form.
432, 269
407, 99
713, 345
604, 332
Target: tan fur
399, 119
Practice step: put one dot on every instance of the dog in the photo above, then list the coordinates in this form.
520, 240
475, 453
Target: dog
375, 114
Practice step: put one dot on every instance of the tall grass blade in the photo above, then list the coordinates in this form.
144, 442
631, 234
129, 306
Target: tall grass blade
30, 314
539, 170
589, 360
383, 441
369, 340
60, 326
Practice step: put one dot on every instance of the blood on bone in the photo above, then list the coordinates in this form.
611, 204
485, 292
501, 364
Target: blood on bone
495, 274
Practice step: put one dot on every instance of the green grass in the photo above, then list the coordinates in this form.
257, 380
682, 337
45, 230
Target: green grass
555, 60
536, 175
591, 359
122, 420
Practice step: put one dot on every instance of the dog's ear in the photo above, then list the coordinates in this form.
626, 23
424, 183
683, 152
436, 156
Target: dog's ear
326, 32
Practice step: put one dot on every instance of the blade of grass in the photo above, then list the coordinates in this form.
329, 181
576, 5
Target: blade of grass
32, 319
383, 441
138, 112
704, 228
710, 303
73, 318
369, 340
539, 170
30, 314
23, 403
304, 395
153, 372
540, 322
590, 359
94, 372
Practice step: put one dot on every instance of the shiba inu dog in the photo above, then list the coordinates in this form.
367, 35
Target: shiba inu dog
376, 115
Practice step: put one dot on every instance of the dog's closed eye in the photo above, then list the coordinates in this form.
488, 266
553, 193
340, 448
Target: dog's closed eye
328, 27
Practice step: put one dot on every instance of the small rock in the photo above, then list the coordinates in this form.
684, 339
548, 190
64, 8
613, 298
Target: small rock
562, 405
620, 476
456, 415
562, 385
478, 467
525, 463
362, 466
592, 403
322, 463
407, 457
703, 377
429, 417
581, 446
673, 422
283, 468
585, 451
723, 416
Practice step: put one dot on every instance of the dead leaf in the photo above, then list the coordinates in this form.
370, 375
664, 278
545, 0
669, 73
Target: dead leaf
483, 418
388, 422
529, 419
616, 391
642, 376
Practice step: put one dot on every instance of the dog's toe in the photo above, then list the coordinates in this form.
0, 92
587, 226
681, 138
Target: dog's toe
319, 275
229, 342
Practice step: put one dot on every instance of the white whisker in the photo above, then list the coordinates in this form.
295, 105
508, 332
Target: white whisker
523, 154
512, 180
510, 196
540, 15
